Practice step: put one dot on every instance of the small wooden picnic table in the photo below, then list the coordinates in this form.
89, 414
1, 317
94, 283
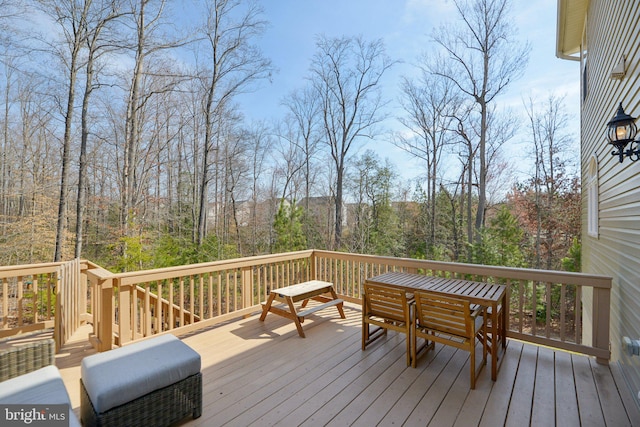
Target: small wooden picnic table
314, 289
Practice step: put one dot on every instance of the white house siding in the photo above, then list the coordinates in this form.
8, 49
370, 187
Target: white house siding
613, 29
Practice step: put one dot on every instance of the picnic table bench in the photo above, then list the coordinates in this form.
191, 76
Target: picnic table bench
315, 290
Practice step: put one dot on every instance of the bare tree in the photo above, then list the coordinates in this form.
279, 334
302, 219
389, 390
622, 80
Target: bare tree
346, 74
5, 146
465, 130
234, 64
147, 23
100, 15
501, 128
430, 106
481, 61
237, 166
374, 227
547, 123
503, 125
260, 142
289, 161
11, 13
304, 131
71, 16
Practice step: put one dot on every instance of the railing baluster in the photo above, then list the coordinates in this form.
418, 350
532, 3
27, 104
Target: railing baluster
563, 310
192, 305
578, 315
5, 303
210, 292
181, 302
235, 290
171, 321
19, 288
34, 301
147, 310
159, 312
521, 299
548, 311
200, 312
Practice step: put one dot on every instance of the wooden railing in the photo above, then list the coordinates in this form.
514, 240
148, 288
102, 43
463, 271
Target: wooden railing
544, 307
130, 306
41, 296
71, 301
28, 297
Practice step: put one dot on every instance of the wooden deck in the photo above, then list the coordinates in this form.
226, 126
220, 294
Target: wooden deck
264, 374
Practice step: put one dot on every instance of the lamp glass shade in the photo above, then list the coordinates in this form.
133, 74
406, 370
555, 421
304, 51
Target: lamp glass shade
622, 128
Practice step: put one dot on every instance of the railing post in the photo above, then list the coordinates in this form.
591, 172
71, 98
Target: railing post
84, 316
247, 287
124, 313
600, 325
312, 265
105, 327
59, 324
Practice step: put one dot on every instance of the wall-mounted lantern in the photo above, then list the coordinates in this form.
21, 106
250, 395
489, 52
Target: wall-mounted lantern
621, 131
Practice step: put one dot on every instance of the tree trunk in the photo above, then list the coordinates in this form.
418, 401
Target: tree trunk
132, 128
82, 165
61, 225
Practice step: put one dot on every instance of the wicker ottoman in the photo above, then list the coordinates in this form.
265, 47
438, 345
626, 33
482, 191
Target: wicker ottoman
19, 359
155, 382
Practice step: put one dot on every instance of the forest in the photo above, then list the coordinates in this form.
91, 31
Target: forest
122, 142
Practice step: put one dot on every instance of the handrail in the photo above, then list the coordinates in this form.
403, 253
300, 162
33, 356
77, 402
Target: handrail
537, 298
133, 305
544, 307
42, 296
27, 301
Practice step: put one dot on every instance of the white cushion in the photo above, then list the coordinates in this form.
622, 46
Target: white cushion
119, 376
43, 386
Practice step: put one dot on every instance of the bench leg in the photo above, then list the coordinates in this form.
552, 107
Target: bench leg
267, 306
338, 306
296, 319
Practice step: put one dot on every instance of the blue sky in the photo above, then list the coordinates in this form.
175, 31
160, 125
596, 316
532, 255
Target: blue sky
405, 26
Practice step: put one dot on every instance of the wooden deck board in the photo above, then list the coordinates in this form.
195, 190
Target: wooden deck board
428, 373
263, 374
588, 402
567, 413
307, 386
318, 393
284, 378
398, 389
432, 400
474, 403
628, 400
375, 388
612, 407
543, 412
495, 413
355, 381
452, 402
519, 412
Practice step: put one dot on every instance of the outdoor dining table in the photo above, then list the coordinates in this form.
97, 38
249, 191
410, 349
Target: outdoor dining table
482, 293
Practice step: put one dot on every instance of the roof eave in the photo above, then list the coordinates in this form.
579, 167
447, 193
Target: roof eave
570, 25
